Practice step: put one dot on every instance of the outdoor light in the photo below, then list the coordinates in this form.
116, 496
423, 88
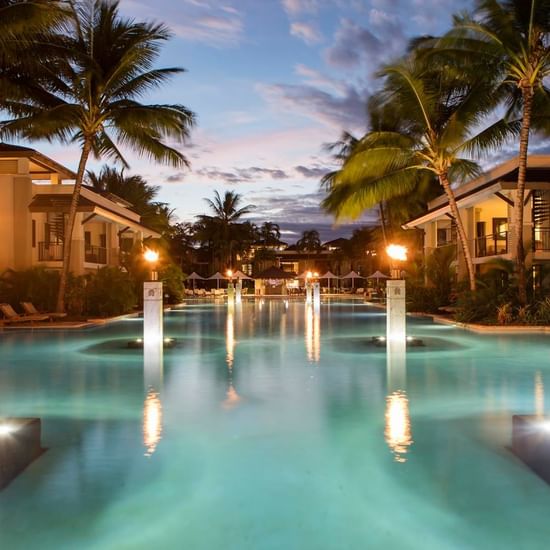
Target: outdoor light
397, 252
229, 274
151, 256
6, 429
395, 296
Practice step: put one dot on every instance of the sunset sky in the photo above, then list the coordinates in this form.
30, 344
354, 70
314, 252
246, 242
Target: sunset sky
272, 81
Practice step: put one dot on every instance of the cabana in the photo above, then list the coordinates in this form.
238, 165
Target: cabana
273, 281
194, 277
217, 277
352, 275
329, 276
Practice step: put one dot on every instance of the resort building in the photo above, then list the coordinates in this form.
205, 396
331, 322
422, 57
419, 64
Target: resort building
34, 206
486, 207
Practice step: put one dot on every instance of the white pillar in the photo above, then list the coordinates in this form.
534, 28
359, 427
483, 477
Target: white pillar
316, 295
230, 293
309, 293
152, 315
395, 311
238, 291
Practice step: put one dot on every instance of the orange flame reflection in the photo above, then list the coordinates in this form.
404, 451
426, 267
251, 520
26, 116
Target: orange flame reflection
152, 421
398, 425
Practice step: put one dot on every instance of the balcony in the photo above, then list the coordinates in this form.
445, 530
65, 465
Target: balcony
50, 252
95, 255
541, 239
491, 245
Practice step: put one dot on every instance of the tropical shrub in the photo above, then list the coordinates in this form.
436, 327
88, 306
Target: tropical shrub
109, 292
541, 315
505, 314
36, 285
172, 280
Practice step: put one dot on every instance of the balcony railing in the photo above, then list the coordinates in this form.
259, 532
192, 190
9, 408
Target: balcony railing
541, 239
95, 255
492, 245
50, 252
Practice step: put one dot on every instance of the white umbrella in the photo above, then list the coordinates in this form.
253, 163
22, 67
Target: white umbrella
352, 275
378, 275
194, 277
217, 277
329, 275
240, 275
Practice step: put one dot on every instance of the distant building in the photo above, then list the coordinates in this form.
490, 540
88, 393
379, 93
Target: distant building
34, 206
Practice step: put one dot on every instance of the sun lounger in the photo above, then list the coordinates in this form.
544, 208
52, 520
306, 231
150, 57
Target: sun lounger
11, 316
29, 309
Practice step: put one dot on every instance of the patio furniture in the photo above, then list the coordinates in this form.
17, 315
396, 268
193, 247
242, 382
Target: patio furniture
11, 316
29, 309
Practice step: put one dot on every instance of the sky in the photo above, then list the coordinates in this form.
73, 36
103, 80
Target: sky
272, 82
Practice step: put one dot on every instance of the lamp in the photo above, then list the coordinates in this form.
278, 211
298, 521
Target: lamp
395, 296
230, 287
152, 257
397, 253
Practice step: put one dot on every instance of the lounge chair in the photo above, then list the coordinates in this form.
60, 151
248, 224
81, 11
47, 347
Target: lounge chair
29, 309
11, 316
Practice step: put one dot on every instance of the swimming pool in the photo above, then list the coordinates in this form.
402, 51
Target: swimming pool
272, 427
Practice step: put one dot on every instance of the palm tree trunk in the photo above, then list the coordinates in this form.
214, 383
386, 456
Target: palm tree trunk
444, 181
60, 308
383, 223
527, 93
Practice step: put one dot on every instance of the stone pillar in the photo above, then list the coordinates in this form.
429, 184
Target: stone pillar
22, 228
396, 319
152, 318
113, 245
309, 293
77, 247
230, 293
316, 295
238, 291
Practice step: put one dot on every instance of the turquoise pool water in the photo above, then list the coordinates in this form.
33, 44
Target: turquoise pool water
274, 428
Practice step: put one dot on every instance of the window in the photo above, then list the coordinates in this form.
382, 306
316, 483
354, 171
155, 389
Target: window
87, 239
500, 226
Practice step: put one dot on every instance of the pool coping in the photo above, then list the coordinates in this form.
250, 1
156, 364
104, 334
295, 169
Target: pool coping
473, 327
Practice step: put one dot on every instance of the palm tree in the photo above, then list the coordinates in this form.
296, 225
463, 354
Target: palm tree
223, 228
89, 95
441, 108
309, 242
270, 233
398, 208
137, 192
510, 41
20, 20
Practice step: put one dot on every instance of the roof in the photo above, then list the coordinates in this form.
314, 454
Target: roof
502, 177
60, 202
274, 272
41, 165
336, 243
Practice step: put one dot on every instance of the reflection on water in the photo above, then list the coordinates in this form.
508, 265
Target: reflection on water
230, 336
398, 431
539, 394
232, 397
152, 421
153, 366
398, 425
313, 334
